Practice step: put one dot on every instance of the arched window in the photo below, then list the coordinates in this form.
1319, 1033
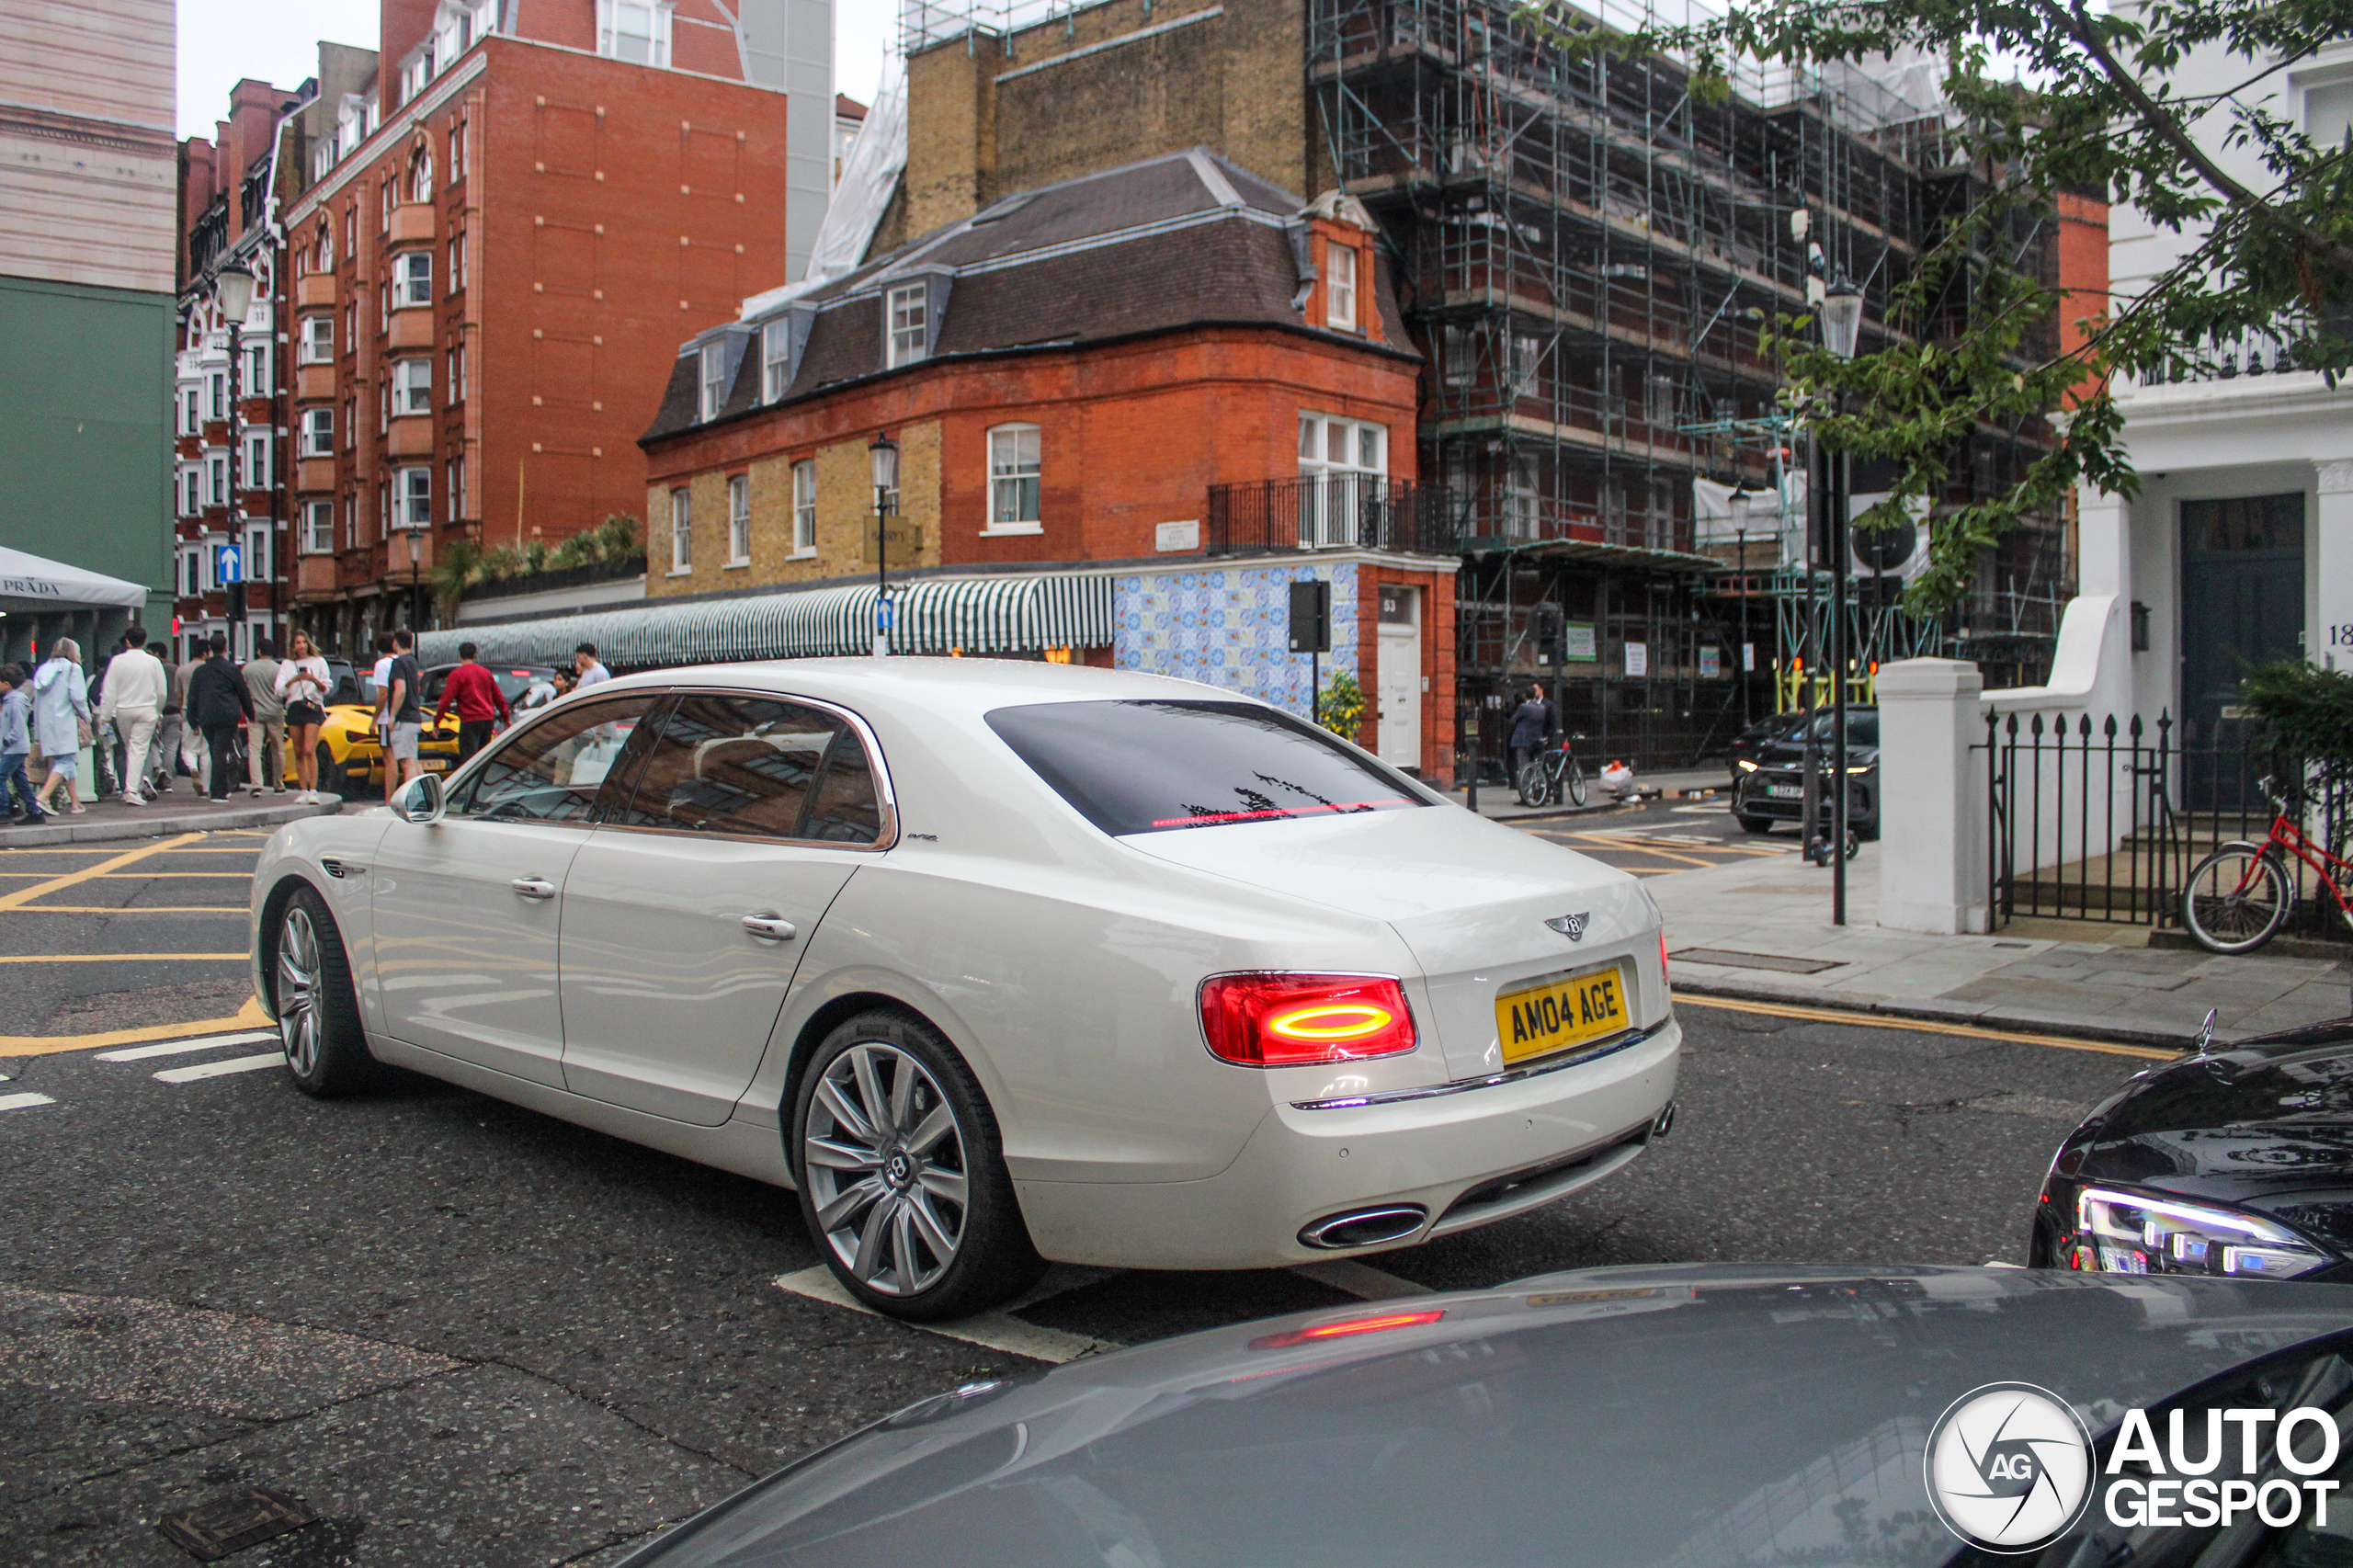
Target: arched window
420, 172
323, 248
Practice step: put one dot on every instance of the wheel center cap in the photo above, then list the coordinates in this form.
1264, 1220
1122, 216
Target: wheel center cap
899, 1169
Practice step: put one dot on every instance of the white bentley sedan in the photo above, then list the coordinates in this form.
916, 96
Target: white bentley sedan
993, 963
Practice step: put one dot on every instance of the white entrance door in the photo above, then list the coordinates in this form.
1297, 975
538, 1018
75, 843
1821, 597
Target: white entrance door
1399, 650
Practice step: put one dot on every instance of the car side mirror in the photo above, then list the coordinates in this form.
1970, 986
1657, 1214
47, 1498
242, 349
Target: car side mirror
419, 800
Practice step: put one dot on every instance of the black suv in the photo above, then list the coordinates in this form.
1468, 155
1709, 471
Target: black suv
1771, 789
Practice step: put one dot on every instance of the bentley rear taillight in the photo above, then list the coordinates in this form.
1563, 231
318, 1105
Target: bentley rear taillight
1302, 1020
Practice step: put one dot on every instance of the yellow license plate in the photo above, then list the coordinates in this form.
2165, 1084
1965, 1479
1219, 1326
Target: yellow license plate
1554, 1014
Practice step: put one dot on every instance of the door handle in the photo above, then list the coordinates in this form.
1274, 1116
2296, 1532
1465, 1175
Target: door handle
533, 887
771, 928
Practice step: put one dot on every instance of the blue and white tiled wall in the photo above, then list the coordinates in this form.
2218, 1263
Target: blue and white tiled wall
1230, 626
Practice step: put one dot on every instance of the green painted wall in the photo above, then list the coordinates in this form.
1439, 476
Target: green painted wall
85, 430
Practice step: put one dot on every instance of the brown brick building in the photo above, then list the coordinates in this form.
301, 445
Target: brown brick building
1131, 410
484, 243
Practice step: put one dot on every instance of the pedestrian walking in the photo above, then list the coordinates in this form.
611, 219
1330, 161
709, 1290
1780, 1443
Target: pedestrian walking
133, 702
381, 677
217, 700
481, 706
62, 721
16, 746
170, 723
265, 737
1531, 727
406, 715
191, 750
586, 667
303, 682
106, 746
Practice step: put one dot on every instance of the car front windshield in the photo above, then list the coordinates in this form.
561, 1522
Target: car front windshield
1154, 766
1862, 727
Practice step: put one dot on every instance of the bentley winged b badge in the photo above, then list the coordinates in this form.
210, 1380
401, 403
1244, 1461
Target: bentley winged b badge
1571, 926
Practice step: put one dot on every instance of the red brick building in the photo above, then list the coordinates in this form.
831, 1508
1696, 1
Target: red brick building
484, 249
1167, 384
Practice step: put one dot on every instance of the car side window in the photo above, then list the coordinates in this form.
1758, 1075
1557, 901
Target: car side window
552, 771
847, 810
740, 766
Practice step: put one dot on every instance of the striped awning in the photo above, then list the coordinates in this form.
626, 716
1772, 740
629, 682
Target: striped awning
930, 615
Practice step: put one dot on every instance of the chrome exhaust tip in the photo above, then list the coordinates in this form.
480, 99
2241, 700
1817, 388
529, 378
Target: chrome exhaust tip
1365, 1227
1666, 1123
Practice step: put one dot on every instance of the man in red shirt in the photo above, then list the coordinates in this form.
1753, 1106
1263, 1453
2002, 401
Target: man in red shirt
474, 691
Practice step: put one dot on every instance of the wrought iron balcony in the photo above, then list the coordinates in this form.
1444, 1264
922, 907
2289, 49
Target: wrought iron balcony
1327, 512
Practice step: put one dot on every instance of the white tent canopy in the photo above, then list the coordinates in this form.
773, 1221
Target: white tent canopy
29, 583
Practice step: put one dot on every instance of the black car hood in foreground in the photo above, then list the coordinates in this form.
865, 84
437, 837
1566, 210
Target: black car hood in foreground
2267, 1125
1680, 1416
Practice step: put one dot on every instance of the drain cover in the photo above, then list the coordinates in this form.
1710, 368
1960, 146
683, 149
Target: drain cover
233, 1521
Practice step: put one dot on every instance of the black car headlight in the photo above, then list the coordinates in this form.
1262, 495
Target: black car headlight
2117, 1232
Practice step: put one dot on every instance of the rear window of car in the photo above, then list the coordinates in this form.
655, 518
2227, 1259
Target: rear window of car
1135, 768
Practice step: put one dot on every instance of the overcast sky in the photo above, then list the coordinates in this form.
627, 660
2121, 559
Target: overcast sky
221, 41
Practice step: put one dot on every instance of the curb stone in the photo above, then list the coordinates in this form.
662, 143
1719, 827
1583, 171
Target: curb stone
1986, 1015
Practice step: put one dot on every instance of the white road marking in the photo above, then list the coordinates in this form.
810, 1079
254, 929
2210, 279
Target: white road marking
180, 1047
998, 1330
1360, 1280
1715, 810
23, 1102
218, 1069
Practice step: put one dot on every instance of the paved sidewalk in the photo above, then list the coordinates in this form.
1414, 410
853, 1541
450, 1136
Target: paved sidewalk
1760, 930
182, 810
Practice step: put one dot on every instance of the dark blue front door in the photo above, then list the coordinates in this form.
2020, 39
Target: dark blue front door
2242, 605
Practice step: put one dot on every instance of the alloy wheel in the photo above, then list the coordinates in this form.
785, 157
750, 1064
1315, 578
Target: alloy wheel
884, 1160
300, 979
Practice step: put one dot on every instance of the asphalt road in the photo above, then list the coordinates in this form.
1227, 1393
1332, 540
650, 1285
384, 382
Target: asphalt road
468, 1335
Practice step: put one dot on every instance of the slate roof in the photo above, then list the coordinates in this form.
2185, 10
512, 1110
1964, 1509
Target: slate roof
1183, 240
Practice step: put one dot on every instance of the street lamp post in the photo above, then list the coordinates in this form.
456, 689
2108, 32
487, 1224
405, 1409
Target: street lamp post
885, 453
233, 288
415, 595
1842, 321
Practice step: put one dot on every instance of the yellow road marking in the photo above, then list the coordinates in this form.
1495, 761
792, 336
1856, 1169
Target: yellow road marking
121, 958
1921, 1026
23, 896
248, 1017
136, 909
145, 876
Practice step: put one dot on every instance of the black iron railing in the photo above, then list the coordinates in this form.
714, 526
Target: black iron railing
1331, 511
2103, 819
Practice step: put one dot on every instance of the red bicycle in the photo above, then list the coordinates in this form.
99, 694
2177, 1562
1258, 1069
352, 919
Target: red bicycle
2239, 897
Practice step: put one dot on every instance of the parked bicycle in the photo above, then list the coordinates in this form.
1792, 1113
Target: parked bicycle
2240, 896
1546, 776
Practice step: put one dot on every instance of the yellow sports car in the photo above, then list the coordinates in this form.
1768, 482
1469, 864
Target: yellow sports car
351, 757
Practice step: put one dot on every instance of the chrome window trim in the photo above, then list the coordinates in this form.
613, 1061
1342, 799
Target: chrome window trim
885, 839
1611, 1046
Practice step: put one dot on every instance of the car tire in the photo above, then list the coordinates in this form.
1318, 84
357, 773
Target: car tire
1754, 825
318, 1013
917, 1218
331, 780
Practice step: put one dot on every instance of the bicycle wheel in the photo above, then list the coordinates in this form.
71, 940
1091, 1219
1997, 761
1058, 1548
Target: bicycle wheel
2236, 899
1530, 783
1575, 777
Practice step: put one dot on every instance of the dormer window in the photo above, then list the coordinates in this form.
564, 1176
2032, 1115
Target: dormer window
905, 316
714, 379
776, 359
1339, 287
634, 31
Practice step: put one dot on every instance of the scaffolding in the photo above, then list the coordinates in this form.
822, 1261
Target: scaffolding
1589, 253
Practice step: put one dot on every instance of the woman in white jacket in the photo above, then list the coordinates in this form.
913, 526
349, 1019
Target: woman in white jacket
61, 710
